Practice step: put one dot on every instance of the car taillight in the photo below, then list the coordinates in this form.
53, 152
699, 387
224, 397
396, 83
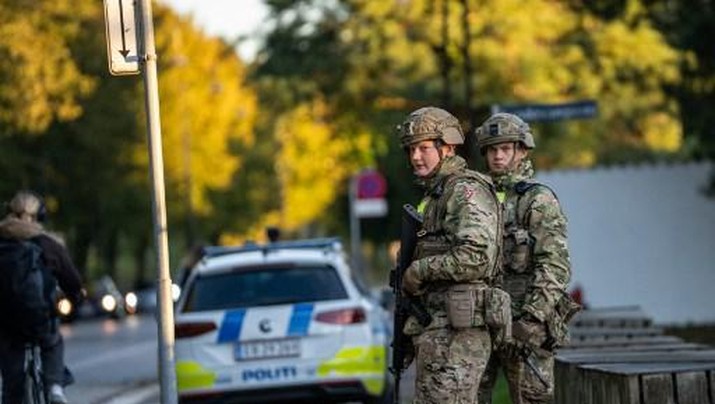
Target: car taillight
342, 316
186, 330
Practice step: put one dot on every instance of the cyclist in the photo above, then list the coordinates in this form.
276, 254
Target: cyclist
24, 221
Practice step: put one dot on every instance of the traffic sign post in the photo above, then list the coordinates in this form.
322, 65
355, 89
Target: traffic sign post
367, 199
370, 191
120, 17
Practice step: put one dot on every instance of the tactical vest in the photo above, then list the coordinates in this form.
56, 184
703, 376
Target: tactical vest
432, 238
518, 244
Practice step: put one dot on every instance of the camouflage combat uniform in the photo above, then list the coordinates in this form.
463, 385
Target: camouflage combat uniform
536, 273
457, 245
455, 255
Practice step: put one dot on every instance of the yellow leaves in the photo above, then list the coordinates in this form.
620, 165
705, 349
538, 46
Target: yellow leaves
520, 44
662, 132
311, 163
256, 233
206, 109
39, 80
623, 49
542, 51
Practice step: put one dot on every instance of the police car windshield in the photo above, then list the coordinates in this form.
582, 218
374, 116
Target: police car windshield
263, 287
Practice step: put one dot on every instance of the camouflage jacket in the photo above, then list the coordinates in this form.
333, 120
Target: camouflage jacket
536, 262
458, 241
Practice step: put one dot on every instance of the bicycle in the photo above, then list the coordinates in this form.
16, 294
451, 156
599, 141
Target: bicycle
34, 386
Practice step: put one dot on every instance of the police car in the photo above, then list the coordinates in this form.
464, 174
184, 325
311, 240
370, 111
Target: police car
280, 321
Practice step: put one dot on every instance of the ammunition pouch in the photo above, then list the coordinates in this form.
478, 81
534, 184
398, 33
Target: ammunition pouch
465, 302
517, 250
517, 286
476, 305
497, 308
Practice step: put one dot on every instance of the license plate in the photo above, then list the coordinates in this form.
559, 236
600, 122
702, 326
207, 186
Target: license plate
275, 348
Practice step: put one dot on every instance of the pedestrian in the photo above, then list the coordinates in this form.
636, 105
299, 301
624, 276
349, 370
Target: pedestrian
536, 268
456, 250
23, 222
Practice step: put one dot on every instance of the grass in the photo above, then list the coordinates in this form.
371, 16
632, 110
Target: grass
501, 391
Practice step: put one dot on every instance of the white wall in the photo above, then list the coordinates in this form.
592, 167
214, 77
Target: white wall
642, 235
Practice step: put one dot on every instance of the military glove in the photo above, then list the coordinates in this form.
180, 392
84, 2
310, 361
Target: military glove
411, 282
409, 355
529, 332
512, 349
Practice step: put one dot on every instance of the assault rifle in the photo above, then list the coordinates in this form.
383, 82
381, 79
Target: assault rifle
527, 354
404, 305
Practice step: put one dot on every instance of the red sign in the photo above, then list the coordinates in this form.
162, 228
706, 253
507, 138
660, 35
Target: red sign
371, 184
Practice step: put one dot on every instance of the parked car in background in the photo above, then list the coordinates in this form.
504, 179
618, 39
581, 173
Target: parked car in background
101, 299
108, 298
284, 320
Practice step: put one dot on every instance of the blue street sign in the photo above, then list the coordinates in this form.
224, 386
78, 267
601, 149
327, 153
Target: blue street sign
551, 112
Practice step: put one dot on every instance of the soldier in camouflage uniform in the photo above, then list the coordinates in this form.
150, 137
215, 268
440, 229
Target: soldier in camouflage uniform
536, 263
456, 246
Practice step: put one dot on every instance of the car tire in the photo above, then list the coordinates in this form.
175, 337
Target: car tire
385, 397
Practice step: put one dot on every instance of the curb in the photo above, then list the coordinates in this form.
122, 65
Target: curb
144, 394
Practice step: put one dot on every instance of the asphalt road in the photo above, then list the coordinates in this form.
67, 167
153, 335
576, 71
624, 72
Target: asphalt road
113, 361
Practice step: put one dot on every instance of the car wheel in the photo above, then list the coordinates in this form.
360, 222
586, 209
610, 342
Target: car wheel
385, 397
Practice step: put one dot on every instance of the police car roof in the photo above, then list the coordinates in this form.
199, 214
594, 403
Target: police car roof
324, 244
217, 258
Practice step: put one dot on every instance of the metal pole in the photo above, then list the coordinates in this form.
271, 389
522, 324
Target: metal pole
354, 228
167, 374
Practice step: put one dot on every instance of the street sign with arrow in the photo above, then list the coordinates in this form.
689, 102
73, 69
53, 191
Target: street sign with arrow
121, 23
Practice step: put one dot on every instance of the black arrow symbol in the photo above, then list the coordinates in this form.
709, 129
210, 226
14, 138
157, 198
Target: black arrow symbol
124, 50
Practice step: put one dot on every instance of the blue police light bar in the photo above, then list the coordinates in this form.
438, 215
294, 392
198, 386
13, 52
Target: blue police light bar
327, 243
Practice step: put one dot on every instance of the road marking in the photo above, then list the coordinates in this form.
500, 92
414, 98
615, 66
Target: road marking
111, 356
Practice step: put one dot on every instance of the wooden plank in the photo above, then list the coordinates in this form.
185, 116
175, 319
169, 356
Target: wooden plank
700, 356
574, 384
613, 389
611, 332
584, 393
616, 356
626, 316
692, 388
622, 341
606, 350
569, 383
658, 389
561, 382
648, 368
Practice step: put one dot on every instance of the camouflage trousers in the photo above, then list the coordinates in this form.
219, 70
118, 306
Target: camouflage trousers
524, 386
449, 364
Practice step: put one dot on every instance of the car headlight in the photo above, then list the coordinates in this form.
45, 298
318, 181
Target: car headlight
130, 302
64, 307
175, 292
109, 303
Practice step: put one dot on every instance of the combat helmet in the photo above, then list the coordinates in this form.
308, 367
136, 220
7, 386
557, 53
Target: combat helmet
504, 127
430, 123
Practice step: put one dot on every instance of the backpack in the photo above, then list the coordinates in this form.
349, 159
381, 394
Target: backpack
24, 311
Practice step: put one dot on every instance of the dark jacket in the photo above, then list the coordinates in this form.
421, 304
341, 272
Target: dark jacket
54, 255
